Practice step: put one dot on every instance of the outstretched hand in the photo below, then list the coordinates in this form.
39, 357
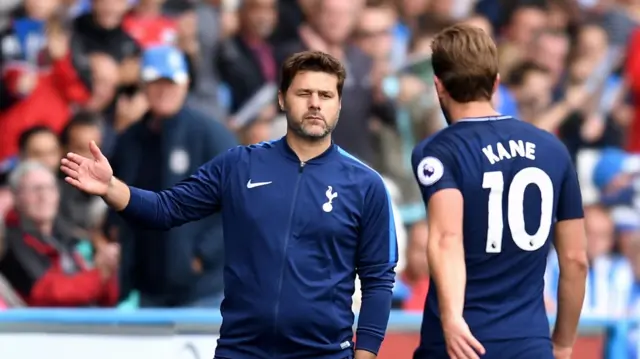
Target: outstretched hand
90, 175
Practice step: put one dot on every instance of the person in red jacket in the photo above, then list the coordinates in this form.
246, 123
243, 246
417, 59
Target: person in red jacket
50, 101
149, 26
632, 77
42, 266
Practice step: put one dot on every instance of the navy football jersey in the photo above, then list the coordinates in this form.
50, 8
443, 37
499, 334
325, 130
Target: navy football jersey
516, 181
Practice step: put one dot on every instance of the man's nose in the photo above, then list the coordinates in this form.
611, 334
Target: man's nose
314, 101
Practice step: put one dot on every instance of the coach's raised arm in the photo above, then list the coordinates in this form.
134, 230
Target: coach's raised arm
190, 200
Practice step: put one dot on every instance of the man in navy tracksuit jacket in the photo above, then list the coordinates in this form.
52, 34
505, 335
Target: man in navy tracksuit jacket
301, 217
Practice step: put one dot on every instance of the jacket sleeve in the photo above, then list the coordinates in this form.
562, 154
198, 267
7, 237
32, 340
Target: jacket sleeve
377, 258
56, 289
192, 199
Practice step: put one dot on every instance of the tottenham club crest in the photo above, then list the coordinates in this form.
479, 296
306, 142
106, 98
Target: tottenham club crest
429, 171
328, 206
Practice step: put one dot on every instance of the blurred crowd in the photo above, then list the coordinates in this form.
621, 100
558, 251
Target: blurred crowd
162, 86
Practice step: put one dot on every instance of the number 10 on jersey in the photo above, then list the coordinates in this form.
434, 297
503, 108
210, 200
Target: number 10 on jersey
494, 181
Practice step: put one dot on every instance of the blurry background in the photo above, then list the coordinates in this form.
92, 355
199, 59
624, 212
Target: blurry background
106, 70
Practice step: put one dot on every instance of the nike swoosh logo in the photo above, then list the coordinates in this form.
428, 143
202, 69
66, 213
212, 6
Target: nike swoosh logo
257, 184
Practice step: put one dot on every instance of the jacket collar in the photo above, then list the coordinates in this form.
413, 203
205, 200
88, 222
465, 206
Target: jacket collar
288, 152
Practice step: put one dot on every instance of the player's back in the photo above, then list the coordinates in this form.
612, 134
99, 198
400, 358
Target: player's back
510, 175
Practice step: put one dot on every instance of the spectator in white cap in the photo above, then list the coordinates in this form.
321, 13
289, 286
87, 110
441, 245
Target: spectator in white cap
166, 77
166, 143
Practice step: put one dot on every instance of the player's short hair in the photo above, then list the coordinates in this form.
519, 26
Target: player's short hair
465, 60
311, 61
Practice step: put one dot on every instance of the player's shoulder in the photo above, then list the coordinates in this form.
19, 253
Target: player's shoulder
554, 149
361, 172
428, 156
490, 128
431, 144
485, 132
447, 141
261, 146
240, 153
440, 146
537, 133
436, 139
256, 148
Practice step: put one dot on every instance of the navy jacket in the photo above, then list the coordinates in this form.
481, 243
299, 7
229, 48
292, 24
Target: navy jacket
164, 268
295, 235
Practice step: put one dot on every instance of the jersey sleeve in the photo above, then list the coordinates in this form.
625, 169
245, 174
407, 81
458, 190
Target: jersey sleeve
192, 199
434, 169
570, 200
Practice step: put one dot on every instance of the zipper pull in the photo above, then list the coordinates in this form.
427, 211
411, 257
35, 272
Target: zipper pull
301, 167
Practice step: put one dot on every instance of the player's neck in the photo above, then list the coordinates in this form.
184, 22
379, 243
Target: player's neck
459, 111
306, 149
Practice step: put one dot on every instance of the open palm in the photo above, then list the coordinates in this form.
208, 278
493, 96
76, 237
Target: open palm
90, 175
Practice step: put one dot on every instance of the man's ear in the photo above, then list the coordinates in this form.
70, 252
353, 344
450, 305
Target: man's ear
438, 84
281, 100
496, 84
441, 91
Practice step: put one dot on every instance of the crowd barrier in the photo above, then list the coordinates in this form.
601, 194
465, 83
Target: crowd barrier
192, 334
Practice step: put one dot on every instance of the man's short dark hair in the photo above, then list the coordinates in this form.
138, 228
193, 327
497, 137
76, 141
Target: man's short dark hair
311, 61
465, 60
83, 118
27, 135
518, 74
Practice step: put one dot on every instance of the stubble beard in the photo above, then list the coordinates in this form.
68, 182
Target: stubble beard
299, 128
